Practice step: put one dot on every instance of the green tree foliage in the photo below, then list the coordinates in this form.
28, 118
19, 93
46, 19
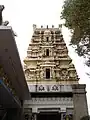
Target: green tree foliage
77, 18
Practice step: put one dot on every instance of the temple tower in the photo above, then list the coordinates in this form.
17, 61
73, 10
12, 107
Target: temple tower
52, 78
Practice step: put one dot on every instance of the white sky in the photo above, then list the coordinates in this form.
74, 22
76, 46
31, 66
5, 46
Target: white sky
22, 14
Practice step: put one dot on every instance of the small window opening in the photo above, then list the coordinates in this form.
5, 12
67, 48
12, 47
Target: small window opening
47, 52
47, 73
47, 39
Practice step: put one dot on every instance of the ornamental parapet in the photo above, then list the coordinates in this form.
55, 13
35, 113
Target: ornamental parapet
51, 100
50, 88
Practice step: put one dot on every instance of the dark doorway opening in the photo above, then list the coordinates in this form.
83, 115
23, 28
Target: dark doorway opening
49, 116
47, 52
47, 39
47, 73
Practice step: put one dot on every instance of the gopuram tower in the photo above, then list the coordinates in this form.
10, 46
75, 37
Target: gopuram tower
52, 79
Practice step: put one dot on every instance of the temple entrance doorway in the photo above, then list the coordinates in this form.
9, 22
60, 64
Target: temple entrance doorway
49, 116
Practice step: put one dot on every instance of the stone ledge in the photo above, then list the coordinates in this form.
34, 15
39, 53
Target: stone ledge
79, 88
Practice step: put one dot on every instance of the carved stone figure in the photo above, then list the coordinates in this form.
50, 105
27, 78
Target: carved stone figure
1, 9
41, 88
55, 88
5, 23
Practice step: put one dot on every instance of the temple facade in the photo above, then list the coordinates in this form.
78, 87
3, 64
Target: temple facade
52, 79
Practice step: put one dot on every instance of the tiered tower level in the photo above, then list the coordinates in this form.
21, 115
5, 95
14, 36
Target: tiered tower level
52, 78
47, 60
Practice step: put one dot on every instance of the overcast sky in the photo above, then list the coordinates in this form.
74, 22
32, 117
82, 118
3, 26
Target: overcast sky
22, 14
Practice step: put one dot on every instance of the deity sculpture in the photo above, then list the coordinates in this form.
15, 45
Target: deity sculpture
1, 9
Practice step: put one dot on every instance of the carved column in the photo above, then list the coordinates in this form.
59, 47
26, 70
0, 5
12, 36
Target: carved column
34, 116
63, 113
61, 116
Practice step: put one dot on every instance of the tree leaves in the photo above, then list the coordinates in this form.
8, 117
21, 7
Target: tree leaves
77, 18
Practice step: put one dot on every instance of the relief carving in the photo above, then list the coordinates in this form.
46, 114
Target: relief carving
64, 74
73, 74
41, 88
27, 72
55, 88
30, 74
